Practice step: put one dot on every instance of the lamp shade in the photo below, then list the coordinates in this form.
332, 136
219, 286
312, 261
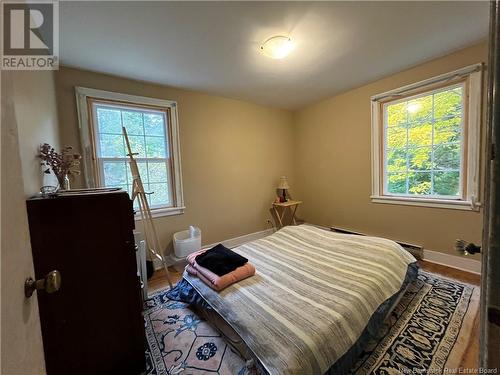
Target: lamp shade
283, 183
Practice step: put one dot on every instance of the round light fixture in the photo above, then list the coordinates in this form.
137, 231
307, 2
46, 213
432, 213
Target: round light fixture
277, 47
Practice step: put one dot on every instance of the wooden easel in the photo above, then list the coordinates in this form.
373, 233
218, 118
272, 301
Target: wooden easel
150, 234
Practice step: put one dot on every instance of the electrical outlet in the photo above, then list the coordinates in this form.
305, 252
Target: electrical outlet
271, 224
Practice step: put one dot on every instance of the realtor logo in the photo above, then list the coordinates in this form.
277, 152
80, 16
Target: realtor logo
30, 35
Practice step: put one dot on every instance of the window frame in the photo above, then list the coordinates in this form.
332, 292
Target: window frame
86, 97
470, 78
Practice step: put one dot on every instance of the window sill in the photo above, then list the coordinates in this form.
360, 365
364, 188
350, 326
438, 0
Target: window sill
422, 202
161, 212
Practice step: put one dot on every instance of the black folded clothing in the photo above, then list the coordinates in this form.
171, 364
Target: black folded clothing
220, 260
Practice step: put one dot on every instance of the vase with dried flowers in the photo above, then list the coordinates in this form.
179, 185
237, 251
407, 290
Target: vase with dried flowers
64, 165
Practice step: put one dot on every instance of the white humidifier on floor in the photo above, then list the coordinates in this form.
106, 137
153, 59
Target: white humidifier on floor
185, 242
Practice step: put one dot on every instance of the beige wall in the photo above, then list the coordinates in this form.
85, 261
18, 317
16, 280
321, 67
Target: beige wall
36, 113
232, 153
333, 170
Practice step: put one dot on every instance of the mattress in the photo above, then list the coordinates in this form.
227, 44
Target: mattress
312, 299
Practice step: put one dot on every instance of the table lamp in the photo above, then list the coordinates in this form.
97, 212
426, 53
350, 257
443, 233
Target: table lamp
283, 185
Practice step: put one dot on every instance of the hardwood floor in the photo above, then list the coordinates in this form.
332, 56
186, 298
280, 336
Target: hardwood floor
469, 361
452, 273
159, 279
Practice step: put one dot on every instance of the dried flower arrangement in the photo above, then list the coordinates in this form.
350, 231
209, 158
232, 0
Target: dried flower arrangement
63, 165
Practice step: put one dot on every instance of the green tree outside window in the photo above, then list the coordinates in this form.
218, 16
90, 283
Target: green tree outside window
423, 144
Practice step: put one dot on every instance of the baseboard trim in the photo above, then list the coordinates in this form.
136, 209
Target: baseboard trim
230, 243
237, 241
453, 261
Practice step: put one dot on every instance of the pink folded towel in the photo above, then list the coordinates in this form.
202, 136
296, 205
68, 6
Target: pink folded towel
214, 281
191, 257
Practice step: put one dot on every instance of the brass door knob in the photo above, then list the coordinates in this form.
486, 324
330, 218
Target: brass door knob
51, 283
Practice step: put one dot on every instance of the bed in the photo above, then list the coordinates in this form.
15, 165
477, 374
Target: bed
316, 299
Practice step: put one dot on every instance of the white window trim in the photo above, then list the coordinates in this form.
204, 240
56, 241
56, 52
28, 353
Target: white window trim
83, 93
473, 75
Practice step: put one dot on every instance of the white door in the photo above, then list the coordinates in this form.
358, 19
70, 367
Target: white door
21, 341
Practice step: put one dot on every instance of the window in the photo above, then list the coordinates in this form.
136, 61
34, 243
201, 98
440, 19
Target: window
151, 126
425, 142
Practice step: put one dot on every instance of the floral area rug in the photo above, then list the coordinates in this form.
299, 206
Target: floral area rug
182, 343
427, 333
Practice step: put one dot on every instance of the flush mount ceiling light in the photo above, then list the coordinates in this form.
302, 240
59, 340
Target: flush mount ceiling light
277, 47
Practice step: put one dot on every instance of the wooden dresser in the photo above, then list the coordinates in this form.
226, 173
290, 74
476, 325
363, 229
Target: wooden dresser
93, 324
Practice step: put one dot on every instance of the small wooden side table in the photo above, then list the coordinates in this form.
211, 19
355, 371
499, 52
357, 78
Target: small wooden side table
290, 206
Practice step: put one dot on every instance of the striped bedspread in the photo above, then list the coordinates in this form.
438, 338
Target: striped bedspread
313, 294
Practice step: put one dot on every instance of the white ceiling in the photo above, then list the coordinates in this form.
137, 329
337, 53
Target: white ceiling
214, 46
